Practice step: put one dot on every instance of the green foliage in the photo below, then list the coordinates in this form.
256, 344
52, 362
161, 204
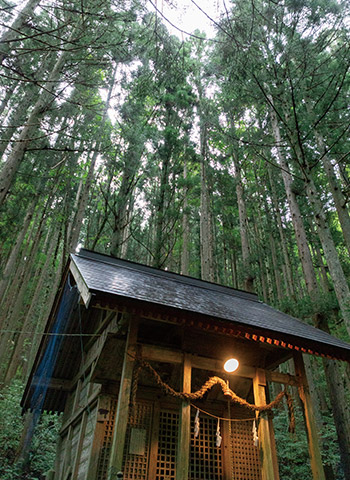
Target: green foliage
40, 457
292, 449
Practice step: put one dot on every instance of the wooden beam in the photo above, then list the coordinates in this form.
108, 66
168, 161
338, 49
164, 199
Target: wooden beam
122, 414
54, 383
183, 450
167, 355
268, 463
153, 353
311, 429
82, 287
284, 378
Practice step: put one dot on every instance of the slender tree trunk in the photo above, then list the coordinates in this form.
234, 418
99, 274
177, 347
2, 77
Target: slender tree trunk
14, 321
9, 92
340, 283
243, 224
159, 254
185, 252
297, 220
16, 120
340, 410
326, 287
123, 206
11, 261
41, 106
85, 189
206, 225
340, 201
289, 282
16, 28
24, 341
53, 281
234, 269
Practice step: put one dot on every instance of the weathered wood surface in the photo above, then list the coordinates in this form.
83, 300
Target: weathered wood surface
167, 355
311, 429
183, 450
268, 471
121, 421
82, 287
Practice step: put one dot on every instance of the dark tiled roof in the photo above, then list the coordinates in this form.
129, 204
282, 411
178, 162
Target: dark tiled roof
108, 275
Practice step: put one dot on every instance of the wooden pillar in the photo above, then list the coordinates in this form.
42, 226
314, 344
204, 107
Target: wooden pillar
183, 446
80, 444
311, 429
103, 414
122, 414
268, 451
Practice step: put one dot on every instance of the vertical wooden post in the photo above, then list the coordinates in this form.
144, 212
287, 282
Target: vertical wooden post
122, 414
80, 445
103, 413
152, 469
268, 451
311, 429
183, 446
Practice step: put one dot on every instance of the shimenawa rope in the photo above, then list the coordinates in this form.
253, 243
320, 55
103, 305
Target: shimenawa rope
207, 386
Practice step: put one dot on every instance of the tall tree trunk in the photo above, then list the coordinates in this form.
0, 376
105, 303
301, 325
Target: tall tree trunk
243, 228
289, 282
45, 99
206, 224
123, 206
336, 394
185, 251
159, 251
17, 117
73, 235
12, 259
336, 271
9, 92
15, 321
16, 28
24, 340
297, 220
340, 201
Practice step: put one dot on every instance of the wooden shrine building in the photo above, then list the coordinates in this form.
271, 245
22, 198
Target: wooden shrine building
122, 339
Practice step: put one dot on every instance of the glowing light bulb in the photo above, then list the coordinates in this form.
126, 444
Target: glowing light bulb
231, 365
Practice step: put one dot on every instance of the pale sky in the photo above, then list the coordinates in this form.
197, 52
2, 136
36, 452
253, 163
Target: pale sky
187, 16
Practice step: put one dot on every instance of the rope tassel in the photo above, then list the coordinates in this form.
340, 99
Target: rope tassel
196, 424
218, 436
255, 434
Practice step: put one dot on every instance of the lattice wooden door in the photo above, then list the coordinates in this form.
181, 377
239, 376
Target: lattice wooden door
167, 445
137, 442
206, 460
205, 457
245, 456
106, 443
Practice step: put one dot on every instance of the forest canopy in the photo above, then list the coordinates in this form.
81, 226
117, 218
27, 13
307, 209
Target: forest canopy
223, 158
